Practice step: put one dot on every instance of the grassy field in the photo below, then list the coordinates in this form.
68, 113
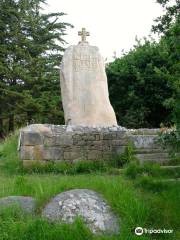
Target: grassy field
142, 199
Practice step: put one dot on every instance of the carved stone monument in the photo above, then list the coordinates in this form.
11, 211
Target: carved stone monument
89, 133
84, 86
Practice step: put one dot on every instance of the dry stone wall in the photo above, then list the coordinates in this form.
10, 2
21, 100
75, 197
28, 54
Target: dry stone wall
57, 143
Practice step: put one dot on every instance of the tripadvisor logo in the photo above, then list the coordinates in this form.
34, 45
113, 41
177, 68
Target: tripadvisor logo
140, 231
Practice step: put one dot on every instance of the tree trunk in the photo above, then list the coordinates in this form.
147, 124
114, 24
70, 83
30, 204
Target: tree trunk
1, 128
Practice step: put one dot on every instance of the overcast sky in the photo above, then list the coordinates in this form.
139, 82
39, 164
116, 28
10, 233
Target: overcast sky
113, 24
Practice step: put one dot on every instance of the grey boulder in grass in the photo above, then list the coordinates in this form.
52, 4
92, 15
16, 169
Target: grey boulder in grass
86, 204
27, 204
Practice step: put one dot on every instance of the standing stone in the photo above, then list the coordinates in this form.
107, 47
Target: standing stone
84, 86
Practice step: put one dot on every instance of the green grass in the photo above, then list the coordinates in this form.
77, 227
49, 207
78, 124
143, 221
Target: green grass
135, 170
142, 201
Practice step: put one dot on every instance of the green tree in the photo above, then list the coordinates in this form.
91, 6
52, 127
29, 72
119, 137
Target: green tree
138, 86
168, 26
31, 46
145, 82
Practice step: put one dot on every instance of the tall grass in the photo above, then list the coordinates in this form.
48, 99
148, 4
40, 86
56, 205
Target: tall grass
9, 156
135, 205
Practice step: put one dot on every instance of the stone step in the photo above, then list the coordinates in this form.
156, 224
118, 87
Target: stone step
169, 180
166, 166
150, 150
154, 157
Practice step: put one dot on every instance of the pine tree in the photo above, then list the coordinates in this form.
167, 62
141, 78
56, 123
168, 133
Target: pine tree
31, 46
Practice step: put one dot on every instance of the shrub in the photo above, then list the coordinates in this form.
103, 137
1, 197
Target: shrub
170, 139
128, 156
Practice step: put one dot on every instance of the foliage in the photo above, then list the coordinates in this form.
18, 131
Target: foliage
138, 86
67, 167
120, 160
171, 15
170, 139
151, 208
9, 158
136, 169
31, 45
144, 84
169, 26
149, 184
156, 204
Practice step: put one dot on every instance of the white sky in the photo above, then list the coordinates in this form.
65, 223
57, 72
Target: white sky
113, 24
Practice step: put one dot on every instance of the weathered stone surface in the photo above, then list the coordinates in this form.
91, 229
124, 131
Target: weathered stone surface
84, 87
154, 157
32, 138
27, 204
144, 141
64, 139
118, 149
49, 141
88, 205
26, 152
73, 155
52, 153
145, 131
40, 128
74, 143
94, 155
35, 152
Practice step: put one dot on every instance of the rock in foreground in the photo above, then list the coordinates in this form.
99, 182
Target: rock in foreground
86, 204
27, 204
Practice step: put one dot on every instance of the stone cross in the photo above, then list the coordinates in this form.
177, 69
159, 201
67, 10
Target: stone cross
83, 33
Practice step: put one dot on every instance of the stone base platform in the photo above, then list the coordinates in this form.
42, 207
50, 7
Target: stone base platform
43, 142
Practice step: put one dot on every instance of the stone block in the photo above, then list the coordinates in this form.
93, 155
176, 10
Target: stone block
91, 137
107, 136
95, 147
97, 137
78, 137
118, 149
106, 156
79, 143
31, 138
49, 141
64, 140
53, 153
118, 142
106, 148
27, 152
149, 150
145, 131
94, 155
144, 141
121, 134
32, 152
74, 154
154, 157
